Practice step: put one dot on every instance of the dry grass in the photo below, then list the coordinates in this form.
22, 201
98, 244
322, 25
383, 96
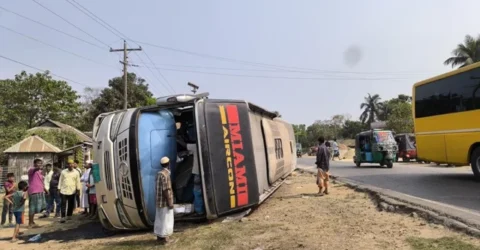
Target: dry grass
294, 218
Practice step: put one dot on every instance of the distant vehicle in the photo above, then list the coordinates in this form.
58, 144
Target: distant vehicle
299, 150
313, 150
446, 112
406, 146
243, 151
375, 146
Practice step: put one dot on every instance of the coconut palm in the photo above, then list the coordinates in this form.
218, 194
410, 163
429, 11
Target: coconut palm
466, 53
371, 108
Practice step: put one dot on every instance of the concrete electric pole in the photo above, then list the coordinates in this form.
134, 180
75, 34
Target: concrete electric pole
125, 50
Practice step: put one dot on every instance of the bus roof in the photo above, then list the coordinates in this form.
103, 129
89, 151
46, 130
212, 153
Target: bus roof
448, 74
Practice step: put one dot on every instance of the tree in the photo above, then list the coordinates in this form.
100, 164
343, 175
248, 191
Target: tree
466, 53
352, 128
63, 139
300, 131
371, 108
111, 98
30, 98
401, 120
9, 135
387, 106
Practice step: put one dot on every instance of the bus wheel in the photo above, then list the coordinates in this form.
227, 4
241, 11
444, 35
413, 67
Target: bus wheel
475, 162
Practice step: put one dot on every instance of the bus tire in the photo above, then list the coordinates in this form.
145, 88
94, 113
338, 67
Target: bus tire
475, 162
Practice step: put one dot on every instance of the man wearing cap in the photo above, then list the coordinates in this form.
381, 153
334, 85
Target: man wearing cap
69, 185
164, 213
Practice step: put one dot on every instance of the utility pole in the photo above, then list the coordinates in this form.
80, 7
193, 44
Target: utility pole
125, 50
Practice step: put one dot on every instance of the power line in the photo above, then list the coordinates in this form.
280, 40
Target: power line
52, 28
282, 77
26, 65
51, 11
160, 73
116, 32
101, 20
258, 70
152, 74
55, 47
156, 77
87, 14
255, 63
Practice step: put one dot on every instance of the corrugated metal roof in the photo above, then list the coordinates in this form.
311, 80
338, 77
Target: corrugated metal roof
33, 144
82, 136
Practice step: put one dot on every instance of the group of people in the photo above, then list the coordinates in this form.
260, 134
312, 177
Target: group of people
49, 190
333, 149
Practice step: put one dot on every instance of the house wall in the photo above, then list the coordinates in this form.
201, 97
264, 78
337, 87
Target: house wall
19, 163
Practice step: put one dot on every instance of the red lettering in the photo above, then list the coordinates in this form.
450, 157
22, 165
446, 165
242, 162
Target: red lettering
232, 114
235, 135
237, 158
242, 187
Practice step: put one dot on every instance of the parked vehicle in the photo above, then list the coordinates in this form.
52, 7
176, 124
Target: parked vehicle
406, 146
375, 146
243, 154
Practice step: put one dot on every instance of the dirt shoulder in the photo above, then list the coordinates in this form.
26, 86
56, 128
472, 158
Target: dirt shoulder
292, 218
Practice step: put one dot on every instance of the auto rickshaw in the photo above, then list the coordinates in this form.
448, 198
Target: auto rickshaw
375, 146
407, 149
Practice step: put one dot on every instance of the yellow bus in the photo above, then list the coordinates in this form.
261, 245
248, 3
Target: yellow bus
446, 112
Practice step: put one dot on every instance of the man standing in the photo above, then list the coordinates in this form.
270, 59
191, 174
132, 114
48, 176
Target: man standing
164, 213
51, 186
9, 186
323, 166
84, 195
69, 185
77, 195
36, 192
47, 176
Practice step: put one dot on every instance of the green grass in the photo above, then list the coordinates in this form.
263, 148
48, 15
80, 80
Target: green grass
444, 243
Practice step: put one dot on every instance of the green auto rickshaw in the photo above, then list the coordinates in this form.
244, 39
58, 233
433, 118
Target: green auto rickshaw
375, 146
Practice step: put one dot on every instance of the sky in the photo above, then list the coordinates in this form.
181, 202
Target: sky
308, 59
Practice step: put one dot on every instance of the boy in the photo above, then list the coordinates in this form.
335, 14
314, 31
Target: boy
18, 200
9, 186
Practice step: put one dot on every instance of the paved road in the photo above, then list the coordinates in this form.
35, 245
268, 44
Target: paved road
453, 186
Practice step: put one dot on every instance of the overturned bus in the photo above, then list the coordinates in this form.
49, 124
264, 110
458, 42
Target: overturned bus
233, 152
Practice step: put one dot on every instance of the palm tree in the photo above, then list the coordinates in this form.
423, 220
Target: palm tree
466, 53
371, 108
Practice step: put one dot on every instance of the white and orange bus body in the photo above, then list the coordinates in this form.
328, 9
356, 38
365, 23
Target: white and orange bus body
244, 153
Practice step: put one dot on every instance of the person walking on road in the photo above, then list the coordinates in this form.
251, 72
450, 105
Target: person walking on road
36, 192
336, 151
323, 166
9, 186
69, 185
163, 228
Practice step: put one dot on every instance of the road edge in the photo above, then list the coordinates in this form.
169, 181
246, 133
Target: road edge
452, 217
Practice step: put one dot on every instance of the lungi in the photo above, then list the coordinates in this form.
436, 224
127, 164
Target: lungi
163, 222
36, 203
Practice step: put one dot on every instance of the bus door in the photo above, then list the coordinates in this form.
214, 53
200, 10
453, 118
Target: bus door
274, 144
227, 157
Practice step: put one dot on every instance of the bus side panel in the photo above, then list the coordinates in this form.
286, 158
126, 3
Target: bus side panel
259, 149
231, 154
276, 162
458, 146
431, 147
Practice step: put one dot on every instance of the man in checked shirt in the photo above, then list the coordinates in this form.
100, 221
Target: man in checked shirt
163, 228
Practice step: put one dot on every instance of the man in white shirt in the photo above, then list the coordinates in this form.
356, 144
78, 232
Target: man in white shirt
46, 183
69, 185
